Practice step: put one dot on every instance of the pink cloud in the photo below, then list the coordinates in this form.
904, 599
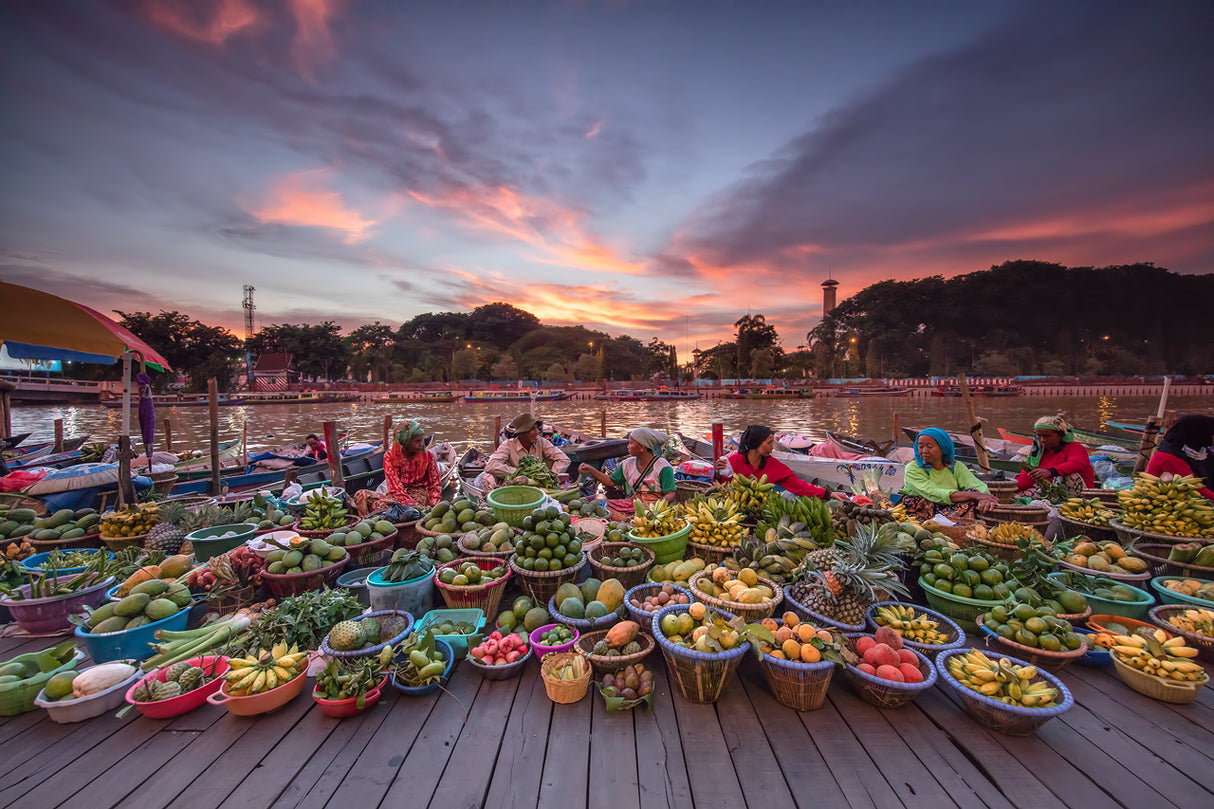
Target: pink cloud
303, 199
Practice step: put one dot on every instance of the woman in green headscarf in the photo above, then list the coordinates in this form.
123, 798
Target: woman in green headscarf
410, 474
1057, 457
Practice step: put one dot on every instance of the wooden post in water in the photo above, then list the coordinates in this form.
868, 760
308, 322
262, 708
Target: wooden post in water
244, 444
168, 435
718, 445
387, 432
1147, 444
213, 413
58, 435
6, 409
331, 442
896, 428
603, 423
975, 426
126, 489
497, 431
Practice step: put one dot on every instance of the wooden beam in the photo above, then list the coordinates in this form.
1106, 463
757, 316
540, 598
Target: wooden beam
718, 444
1146, 444
387, 432
168, 435
975, 425
334, 449
603, 423
213, 413
497, 431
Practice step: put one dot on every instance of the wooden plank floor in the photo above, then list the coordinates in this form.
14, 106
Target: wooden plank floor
504, 744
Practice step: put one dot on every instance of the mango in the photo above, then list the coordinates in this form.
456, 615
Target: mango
132, 605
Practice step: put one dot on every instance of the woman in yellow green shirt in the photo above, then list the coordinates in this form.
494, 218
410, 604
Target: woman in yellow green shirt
937, 483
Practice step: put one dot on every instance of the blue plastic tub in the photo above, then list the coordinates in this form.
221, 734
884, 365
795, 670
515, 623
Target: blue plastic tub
1095, 656
32, 563
448, 654
458, 643
130, 644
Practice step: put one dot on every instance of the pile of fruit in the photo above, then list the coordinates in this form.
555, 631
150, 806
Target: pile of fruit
1104, 557
470, 574
419, 661
523, 617
1007, 533
558, 635
586, 508
620, 640
457, 518
171, 569
148, 602
668, 594
589, 601
779, 551
176, 521
350, 636
264, 670
793, 639
499, 649
840, 582
129, 522
449, 627
18, 549
1192, 553
1038, 628
911, 625
63, 524
703, 629
179, 678
1004, 680
859, 510
440, 548
324, 514
547, 542
1197, 621
1102, 587
971, 573
271, 517
571, 668
1167, 504
714, 521
882, 655
497, 538
238, 568
1088, 512
631, 683
1153, 652
1194, 588
750, 495
745, 589
676, 572
627, 556
364, 531
69, 685
303, 555
659, 519
352, 678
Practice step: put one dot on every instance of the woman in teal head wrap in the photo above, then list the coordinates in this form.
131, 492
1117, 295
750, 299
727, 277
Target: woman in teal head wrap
937, 483
410, 474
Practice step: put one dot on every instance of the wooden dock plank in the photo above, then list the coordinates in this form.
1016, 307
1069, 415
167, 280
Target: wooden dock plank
517, 775
661, 767
613, 754
753, 758
853, 769
705, 750
68, 751
566, 775
463, 784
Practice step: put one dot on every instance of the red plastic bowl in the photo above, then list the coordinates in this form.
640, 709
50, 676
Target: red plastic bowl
341, 708
166, 708
265, 702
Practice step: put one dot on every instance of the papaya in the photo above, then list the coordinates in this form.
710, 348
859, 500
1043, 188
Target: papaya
590, 590
145, 573
622, 633
88, 520
174, 567
683, 571
596, 610
22, 514
72, 533
611, 594
46, 535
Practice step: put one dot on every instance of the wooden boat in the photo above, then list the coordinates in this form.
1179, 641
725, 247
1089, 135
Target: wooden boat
860, 446
47, 447
878, 391
1123, 429
418, 397
769, 392
297, 397
522, 396
654, 395
1105, 444
10, 443
179, 400
979, 390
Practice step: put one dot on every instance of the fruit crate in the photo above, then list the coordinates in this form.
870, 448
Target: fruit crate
889, 693
542, 586
1204, 644
956, 637
1012, 720
700, 676
459, 643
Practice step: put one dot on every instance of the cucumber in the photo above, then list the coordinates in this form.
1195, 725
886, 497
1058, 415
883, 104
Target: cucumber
8, 526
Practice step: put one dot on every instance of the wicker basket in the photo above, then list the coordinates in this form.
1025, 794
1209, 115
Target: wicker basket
121, 543
603, 664
564, 692
18, 500
425, 532
1106, 496
324, 532
645, 619
407, 535
1004, 490
957, 533
1127, 536
1202, 643
1124, 578
229, 601
1156, 555
163, 482
748, 612
1098, 533
815, 618
87, 541
994, 715
586, 624
1036, 516
956, 637
1156, 687
1051, 661
542, 586
700, 676
797, 685
373, 553
289, 584
687, 489
483, 597
1000, 550
888, 693
475, 553
628, 576
712, 554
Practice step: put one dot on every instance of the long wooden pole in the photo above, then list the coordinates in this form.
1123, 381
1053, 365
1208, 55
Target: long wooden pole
168, 435
213, 413
1147, 444
58, 435
896, 427
718, 444
334, 449
603, 423
975, 426
244, 445
497, 431
126, 489
387, 432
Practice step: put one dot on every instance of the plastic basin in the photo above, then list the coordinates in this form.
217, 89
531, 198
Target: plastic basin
356, 582
66, 711
666, 549
176, 706
47, 616
541, 649
448, 654
1167, 596
264, 702
458, 643
415, 596
18, 698
342, 708
512, 504
130, 644
207, 542
33, 564
1111, 606
1095, 656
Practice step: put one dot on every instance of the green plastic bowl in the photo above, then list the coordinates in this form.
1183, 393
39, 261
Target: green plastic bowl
959, 608
1172, 597
512, 504
666, 549
1110, 606
207, 542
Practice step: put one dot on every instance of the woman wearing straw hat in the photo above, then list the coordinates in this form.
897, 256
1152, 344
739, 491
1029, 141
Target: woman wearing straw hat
527, 441
644, 475
410, 474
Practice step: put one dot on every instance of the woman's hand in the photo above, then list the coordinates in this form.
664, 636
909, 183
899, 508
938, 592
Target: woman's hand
1041, 473
986, 501
722, 461
840, 496
586, 469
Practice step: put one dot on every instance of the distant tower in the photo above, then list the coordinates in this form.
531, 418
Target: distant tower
828, 295
248, 311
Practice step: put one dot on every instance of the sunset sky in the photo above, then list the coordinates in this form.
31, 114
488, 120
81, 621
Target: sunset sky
649, 168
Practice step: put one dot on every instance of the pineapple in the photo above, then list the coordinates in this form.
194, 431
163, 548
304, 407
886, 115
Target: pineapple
842, 581
168, 535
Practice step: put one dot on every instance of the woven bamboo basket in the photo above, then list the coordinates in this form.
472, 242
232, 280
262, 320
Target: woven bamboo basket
565, 692
640, 592
230, 601
1000, 550
602, 663
484, 597
957, 533
700, 676
1106, 496
18, 500
1128, 535
797, 685
748, 612
374, 552
1156, 687
324, 532
87, 541
1051, 661
163, 482
1004, 490
467, 550
1156, 555
994, 715
120, 543
712, 554
1099, 533
956, 636
815, 618
628, 576
888, 693
1036, 516
687, 489
289, 584
1204, 644
542, 586
1124, 578
407, 535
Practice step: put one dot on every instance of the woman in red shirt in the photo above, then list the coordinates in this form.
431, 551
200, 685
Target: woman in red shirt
411, 475
1186, 450
753, 459
1056, 456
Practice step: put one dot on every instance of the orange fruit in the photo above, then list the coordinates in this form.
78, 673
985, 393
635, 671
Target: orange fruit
791, 619
791, 649
806, 633
809, 654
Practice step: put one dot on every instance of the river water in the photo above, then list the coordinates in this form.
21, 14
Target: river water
270, 426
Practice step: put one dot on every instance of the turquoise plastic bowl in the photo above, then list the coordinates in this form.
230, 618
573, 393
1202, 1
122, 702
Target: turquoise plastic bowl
130, 644
32, 564
1109, 606
206, 541
1167, 596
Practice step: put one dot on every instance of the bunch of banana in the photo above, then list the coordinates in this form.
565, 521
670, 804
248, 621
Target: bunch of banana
265, 670
659, 519
1198, 621
714, 521
1003, 680
131, 521
1154, 653
323, 514
1008, 532
750, 495
1167, 504
903, 619
1089, 512
811, 512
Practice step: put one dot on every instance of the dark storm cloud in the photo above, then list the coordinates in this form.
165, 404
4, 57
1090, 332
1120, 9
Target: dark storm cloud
1063, 108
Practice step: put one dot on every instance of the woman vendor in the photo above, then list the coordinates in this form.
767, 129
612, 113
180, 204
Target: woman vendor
753, 459
410, 474
1188, 449
644, 475
936, 483
1056, 456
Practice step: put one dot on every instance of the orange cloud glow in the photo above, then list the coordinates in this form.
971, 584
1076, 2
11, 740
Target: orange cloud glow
1134, 223
302, 200
210, 21
313, 44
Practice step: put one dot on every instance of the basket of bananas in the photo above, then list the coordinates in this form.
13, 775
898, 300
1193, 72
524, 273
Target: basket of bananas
1004, 694
322, 516
926, 631
1090, 518
716, 527
1164, 508
1194, 624
1000, 540
1156, 664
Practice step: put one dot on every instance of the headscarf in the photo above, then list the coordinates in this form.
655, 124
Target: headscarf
407, 432
947, 451
752, 438
652, 440
1055, 423
1189, 439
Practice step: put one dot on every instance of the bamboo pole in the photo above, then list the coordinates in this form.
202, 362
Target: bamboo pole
984, 462
387, 432
497, 431
58, 435
126, 489
1147, 444
603, 423
897, 427
213, 414
168, 435
334, 449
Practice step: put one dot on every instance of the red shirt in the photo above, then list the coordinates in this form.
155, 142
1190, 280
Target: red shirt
777, 473
1071, 458
1167, 462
